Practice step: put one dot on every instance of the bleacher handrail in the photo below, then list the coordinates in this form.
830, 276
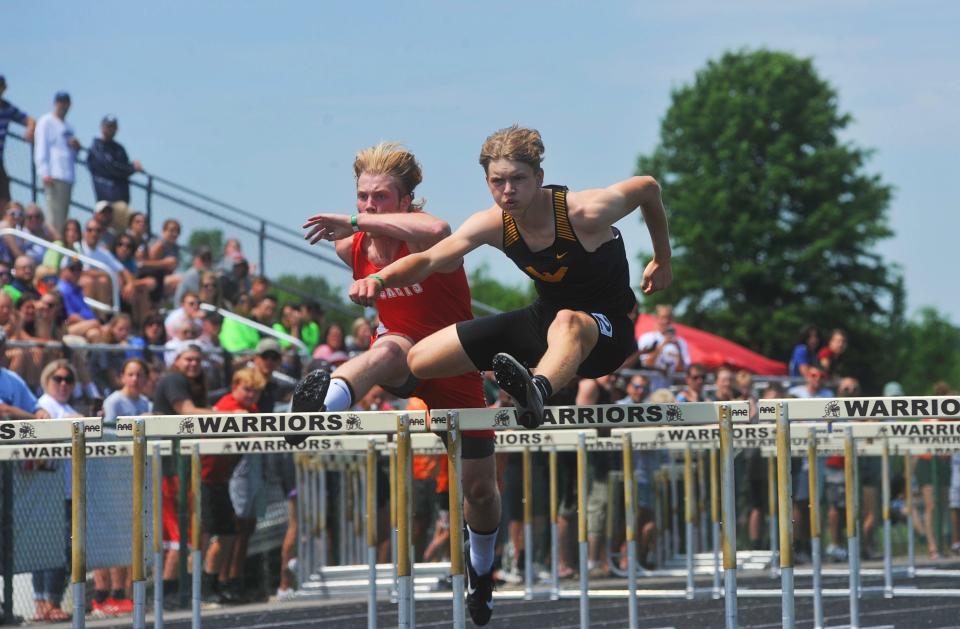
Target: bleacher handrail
46, 244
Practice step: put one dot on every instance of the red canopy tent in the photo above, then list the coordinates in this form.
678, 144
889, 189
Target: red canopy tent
713, 351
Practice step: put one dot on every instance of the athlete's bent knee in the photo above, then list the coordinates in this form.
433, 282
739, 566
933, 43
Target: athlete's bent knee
481, 493
387, 353
418, 362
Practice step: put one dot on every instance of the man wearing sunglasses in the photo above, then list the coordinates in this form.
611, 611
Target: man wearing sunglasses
696, 376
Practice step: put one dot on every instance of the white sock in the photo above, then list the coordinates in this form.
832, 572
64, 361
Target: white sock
482, 547
338, 396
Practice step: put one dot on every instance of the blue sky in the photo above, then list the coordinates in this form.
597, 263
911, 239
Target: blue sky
264, 104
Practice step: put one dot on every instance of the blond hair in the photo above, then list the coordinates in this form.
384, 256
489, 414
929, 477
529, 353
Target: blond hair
514, 143
249, 377
390, 158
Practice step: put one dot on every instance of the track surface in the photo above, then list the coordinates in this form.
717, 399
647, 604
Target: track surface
701, 613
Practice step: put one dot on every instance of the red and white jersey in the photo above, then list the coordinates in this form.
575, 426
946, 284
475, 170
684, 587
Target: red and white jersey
420, 309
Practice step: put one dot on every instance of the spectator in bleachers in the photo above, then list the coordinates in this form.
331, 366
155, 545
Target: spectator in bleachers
259, 289
16, 400
137, 229
55, 156
109, 590
928, 466
289, 323
103, 214
360, 337
182, 390
311, 322
696, 376
21, 286
163, 257
188, 312
48, 325
80, 319
190, 279
236, 281
154, 335
209, 292
217, 363
804, 353
9, 113
108, 366
828, 355
183, 333
34, 223
57, 379
237, 336
11, 247
135, 291
111, 169
813, 385
645, 468
725, 391
72, 233
637, 390
663, 350
593, 391
333, 341
266, 360
216, 508
232, 253
96, 282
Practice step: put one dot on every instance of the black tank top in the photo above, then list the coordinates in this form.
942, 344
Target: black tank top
568, 276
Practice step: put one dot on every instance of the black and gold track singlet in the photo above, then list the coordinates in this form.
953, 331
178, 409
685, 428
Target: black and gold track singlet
565, 274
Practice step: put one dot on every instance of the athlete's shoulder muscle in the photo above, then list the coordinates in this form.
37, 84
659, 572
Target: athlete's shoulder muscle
344, 249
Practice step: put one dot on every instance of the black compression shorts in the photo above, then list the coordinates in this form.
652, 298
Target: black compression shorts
523, 335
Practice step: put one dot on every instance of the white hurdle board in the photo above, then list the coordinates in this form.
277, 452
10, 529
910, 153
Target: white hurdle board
267, 424
27, 430
603, 415
53, 451
278, 445
864, 408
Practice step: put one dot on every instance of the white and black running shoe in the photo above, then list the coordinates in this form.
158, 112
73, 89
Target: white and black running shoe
479, 593
516, 380
308, 397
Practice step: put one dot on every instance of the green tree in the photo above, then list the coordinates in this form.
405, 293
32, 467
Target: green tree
932, 354
487, 290
773, 220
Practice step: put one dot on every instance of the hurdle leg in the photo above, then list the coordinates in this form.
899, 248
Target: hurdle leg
137, 563
772, 515
395, 588
404, 578
455, 494
660, 507
815, 554
197, 552
885, 500
321, 497
527, 526
304, 521
674, 510
729, 518
157, 539
688, 506
343, 531
630, 519
554, 541
701, 501
371, 494
582, 530
908, 504
78, 525
785, 504
853, 548
715, 521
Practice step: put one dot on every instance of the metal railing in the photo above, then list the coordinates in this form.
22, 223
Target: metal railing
259, 327
155, 189
46, 244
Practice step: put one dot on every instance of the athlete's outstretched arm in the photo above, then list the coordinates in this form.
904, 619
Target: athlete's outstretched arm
482, 228
419, 229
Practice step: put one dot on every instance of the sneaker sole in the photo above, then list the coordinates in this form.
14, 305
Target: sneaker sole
308, 397
517, 382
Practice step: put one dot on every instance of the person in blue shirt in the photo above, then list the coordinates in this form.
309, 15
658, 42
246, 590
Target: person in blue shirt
805, 353
111, 169
80, 318
16, 399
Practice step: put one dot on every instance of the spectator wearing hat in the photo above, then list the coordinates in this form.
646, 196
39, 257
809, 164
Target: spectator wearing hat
237, 336
190, 279
80, 319
266, 361
9, 113
55, 156
111, 170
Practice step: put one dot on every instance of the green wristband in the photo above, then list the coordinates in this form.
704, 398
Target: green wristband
374, 276
353, 223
